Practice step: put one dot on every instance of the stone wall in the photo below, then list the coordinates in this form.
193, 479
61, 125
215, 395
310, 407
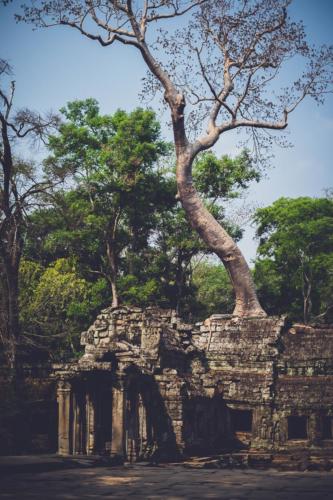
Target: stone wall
150, 386
304, 386
222, 385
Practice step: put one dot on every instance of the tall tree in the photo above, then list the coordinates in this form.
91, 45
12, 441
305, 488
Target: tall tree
111, 161
217, 180
156, 245
222, 61
19, 189
294, 269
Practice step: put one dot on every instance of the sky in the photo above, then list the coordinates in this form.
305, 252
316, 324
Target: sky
57, 65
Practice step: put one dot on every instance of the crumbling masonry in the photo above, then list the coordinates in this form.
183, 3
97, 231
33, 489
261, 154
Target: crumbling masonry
152, 387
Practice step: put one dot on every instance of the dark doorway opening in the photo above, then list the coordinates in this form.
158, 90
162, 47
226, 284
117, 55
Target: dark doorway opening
327, 427
297, 427
241, 420
104, 421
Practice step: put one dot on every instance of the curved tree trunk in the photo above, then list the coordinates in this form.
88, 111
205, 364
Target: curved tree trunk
216, 238
209, 229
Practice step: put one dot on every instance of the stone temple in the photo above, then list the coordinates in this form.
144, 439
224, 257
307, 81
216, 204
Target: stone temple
245, 391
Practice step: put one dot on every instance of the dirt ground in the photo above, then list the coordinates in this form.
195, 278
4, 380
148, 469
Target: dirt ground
170, 482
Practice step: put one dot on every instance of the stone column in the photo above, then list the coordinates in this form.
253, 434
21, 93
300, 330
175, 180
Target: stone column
174, 404
118, 419
77, 424
91, 421
64, 397
142, 427
313, 430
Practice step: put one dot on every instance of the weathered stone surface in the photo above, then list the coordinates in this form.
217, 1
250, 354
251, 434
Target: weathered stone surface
223, 384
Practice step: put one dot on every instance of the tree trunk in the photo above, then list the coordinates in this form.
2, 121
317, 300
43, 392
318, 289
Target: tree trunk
115, 299
112, 259
133, 248
179, 282
306, 300
217, 239
12, 327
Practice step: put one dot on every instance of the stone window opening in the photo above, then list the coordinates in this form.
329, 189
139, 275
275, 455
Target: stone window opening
327, 425
241, 420
297, 427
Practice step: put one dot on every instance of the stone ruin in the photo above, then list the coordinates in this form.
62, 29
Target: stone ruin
151, 387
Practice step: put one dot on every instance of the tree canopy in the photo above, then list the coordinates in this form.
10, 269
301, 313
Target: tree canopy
112, 162
294, 268
117, 213
220, 66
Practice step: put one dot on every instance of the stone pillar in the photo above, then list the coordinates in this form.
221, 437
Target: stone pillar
91, 421
64, 397
313, 430
171, 427
118, 419
78, 441
143, 437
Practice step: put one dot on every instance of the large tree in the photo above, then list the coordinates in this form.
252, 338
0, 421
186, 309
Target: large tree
223, 62
217, 180
111, 161
20, 189
294, 268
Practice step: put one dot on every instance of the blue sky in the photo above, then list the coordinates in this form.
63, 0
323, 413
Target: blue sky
58, 65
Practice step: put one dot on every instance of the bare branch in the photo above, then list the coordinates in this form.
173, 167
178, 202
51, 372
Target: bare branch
220, 99
175, 13
255, 124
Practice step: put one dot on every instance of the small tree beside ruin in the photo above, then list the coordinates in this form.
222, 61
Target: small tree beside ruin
221, 67
20, 189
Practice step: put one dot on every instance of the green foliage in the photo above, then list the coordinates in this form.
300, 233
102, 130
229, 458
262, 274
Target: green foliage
30, 274
214, 292
270, 287
56, 305
294, 271
177, 246
139, 293
224, 177
115, 224
116, 190
95, 147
